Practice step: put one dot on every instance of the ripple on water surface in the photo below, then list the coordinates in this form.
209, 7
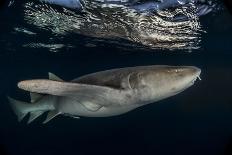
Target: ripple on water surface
158, 30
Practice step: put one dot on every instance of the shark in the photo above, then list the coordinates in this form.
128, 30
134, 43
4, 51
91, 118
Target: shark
103, 94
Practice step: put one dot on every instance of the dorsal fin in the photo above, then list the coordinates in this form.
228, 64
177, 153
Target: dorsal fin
35, 97
34, 115
54, 77
51, 115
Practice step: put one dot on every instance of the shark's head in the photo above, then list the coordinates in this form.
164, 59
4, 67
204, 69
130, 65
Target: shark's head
161, 82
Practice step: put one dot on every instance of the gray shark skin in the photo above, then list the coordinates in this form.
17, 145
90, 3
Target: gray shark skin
103, 94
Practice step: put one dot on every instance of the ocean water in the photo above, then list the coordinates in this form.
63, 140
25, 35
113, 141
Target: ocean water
197, 121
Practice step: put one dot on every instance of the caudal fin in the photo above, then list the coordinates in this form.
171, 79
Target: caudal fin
20, 108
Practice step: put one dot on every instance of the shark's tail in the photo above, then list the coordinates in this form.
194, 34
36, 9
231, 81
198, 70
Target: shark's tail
21, 109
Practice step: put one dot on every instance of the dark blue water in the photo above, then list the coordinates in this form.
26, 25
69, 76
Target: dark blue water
195, 122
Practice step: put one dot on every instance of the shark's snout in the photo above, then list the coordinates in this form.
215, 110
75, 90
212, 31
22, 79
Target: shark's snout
188, 76
181, 78
194, 73
195, 70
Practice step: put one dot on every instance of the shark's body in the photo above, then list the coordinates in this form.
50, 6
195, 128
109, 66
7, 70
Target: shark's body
106, 93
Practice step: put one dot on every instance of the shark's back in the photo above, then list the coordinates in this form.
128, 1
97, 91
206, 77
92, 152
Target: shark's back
115, 78
109, 78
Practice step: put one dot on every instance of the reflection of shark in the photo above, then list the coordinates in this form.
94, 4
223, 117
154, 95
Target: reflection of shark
124, 22
105, 93
135, 4
120, 25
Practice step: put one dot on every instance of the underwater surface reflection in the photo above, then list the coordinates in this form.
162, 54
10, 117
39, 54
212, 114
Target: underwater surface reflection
176, 28
155, 31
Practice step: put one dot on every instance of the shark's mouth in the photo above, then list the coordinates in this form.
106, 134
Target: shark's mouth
189, 84
197, 77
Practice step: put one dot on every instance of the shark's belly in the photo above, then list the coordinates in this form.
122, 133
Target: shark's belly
73, 107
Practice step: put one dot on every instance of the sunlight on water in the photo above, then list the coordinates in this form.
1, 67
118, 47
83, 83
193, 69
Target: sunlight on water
157, 30
48, 18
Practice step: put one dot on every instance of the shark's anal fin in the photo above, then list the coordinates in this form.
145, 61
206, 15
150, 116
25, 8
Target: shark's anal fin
54, 77
34, 115
91, 106
35, 97
51, 115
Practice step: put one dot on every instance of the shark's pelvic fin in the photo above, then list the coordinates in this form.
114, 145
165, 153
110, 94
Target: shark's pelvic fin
34, 115
54, 77
35, 97
51, 115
